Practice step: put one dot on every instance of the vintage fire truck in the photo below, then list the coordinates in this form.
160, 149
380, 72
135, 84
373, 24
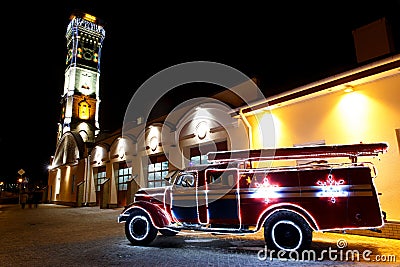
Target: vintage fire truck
243, 191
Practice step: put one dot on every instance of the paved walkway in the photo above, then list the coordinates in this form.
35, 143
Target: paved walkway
54, 235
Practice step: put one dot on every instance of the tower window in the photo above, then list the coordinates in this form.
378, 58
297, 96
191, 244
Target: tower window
84, 109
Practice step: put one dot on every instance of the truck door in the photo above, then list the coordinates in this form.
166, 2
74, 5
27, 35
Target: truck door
222, 197
183, 198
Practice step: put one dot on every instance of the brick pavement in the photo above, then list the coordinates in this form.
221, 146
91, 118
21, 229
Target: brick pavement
55, 235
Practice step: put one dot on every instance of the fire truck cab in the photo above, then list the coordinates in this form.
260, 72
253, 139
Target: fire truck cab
242, 192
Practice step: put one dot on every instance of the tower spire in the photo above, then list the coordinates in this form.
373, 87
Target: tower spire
80, 99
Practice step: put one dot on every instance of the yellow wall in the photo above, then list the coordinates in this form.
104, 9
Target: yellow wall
66, 179
369, 114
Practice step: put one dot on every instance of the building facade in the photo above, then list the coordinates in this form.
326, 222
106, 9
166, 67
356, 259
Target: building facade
105, 170
78, 125
358, 106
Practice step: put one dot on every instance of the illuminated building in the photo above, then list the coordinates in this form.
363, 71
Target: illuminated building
93, 168
328, 112
80, 98
78, 126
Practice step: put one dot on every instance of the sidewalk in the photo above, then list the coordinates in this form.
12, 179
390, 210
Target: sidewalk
61, 235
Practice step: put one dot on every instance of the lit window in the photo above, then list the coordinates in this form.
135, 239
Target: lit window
198, 154
84, 109
196, 160
100, 177
157, 170
124, 174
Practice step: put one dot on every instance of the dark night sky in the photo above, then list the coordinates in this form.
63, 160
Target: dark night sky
285, 45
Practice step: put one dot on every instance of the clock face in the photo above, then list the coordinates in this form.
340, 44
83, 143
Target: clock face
87, 53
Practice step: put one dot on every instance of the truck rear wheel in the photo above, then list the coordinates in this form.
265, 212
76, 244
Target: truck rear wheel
286, 230
139, 229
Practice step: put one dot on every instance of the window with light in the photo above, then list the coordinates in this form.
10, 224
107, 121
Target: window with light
124, 174
198, 154
100, 177
157, 170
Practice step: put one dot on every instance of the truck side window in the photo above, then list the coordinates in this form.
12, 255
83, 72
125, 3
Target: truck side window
223, 178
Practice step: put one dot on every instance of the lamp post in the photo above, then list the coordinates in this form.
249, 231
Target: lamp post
19, 181
20, 172
1, 188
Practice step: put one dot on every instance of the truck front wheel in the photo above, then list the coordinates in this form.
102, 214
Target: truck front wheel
139, 229
288, 231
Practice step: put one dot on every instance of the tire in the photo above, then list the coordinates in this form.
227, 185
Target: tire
288, 231
168, 232
139, 229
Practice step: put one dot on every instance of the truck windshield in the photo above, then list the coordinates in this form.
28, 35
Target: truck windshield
185, 180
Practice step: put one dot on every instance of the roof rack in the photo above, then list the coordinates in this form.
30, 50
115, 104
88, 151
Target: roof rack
351, 151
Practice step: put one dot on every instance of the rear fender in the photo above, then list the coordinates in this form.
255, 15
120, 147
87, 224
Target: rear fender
158, 216
289, 207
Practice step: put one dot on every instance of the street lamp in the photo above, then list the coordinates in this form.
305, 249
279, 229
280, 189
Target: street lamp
1, 188
20, 172
19, 181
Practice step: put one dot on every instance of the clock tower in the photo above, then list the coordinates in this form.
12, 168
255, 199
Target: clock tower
80, 99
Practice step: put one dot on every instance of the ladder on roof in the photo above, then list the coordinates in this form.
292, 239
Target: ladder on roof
351, 151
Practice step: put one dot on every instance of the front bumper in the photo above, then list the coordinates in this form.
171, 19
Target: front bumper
122, 218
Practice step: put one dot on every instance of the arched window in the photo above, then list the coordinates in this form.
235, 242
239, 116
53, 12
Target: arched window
84, 109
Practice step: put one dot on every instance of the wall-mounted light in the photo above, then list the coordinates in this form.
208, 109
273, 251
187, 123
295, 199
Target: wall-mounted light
348, 89
153, 144
202, 129
121, 148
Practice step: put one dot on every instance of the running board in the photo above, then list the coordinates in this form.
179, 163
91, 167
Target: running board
211, 230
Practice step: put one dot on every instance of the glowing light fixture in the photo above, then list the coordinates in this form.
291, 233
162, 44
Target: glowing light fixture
89, 17
348, 89
332, 188
121, 148
153, 143
267, 190
202, 129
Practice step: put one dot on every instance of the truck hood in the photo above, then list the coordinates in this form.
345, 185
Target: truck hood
146, 193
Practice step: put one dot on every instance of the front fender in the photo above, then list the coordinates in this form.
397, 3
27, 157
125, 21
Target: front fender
158, 216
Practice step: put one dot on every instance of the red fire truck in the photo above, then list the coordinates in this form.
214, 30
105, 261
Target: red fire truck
243, 191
